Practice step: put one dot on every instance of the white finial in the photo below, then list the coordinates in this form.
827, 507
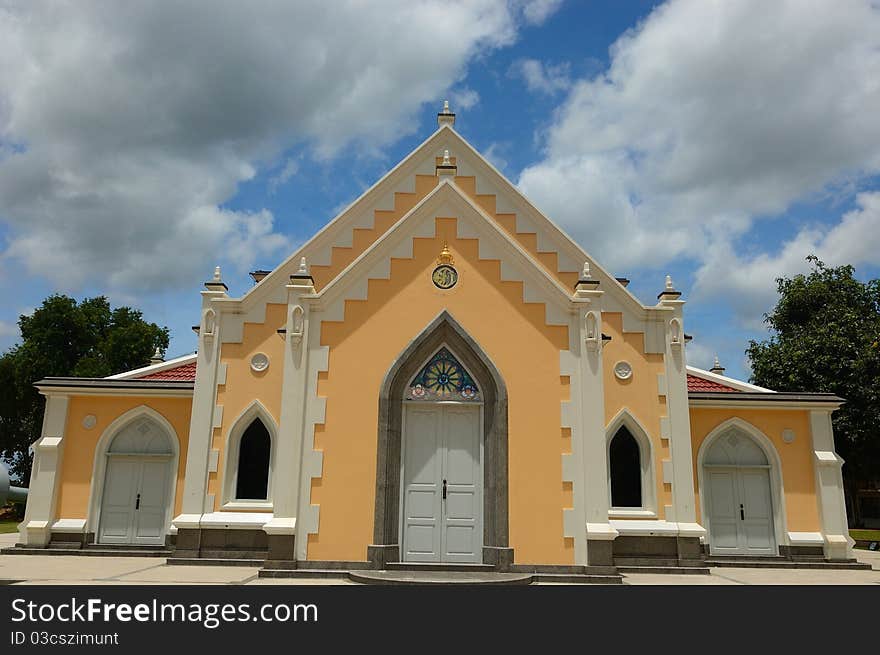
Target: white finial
217, 274
446, 107
669, 286
446, 161
157, 357
717, 363
587, 275
303, 267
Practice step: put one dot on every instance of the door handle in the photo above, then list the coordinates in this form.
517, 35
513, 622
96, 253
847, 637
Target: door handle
444, 489
137, 503
742, 513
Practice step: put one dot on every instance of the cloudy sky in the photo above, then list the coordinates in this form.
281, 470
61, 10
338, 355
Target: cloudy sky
141, 144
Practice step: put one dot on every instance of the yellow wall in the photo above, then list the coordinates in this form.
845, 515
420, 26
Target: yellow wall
797, 457
362, 349
79, 444
638, 394
244, 385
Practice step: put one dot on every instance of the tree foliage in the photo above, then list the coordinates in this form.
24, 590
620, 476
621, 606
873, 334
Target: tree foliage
65, 338
825, 337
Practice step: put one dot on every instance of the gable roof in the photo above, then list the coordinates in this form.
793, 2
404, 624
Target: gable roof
701, 380
179, 368
341, 227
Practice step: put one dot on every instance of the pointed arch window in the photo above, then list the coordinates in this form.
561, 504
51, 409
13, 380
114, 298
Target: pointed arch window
443, 378
625, 462
254, 452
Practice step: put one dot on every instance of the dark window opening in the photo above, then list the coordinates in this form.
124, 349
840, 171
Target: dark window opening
252, 480
626, 470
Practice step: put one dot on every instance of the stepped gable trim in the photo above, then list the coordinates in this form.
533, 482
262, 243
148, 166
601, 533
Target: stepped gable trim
445, 191
326, 236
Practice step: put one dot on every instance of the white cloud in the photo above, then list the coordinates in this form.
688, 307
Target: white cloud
537, 11
540, 77
124, 128
711, 116
748, 283
463, 99
291, 168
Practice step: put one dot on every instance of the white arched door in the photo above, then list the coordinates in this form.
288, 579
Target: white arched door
442, 461
137, 485
739, 501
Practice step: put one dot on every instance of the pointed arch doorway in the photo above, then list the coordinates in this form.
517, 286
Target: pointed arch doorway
442, 416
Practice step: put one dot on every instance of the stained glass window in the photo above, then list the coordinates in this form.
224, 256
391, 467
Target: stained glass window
443, 378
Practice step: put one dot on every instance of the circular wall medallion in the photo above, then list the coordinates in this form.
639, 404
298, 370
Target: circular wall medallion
259, 362
788, 435
90, 421
623, 370
444, 276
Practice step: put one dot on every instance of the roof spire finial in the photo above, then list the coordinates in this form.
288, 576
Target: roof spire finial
217, 277
669, 285
303, 267
157, 357
717, 368
446, 117
587, 275
446, 161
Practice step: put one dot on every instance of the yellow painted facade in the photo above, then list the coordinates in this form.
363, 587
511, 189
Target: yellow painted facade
798, 475
79, 450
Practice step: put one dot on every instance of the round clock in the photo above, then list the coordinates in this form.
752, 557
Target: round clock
444, 276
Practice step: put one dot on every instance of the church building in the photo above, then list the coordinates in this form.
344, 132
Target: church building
440, 377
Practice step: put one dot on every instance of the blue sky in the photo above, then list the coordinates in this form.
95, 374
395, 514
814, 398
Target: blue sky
719, 142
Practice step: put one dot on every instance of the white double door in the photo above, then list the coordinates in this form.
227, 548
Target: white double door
133, 506
740, 511
442, 483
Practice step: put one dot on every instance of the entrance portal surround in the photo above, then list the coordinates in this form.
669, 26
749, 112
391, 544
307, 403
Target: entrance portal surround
386, 531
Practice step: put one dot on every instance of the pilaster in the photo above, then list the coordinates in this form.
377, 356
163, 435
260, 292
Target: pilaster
829, 488
589, 441
678, 414
39, 514
201, 427
291, 489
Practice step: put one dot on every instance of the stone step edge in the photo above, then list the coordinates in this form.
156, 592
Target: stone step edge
214, 561
672, 570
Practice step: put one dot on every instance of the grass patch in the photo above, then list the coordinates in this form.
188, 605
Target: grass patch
865, 535
9, 525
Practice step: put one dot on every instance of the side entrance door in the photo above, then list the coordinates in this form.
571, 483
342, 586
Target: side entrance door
134, 501
442, 483
740, 511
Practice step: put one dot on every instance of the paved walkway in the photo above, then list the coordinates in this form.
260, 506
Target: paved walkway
72, 570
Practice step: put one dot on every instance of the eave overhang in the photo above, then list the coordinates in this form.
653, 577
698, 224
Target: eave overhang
106, 387
762, 400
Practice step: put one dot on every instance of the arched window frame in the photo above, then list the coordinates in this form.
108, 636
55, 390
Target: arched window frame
255, 410
99, 466
648, 507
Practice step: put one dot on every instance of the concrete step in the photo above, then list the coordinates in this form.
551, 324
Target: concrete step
229, 553
672, 570
773, 563
576, 578
88, 552
65, 545
303, 573
439, 578
657, 561
436, 566
213, 561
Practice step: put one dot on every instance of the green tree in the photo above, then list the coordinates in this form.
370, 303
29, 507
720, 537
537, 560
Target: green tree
65, 338
825, 337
